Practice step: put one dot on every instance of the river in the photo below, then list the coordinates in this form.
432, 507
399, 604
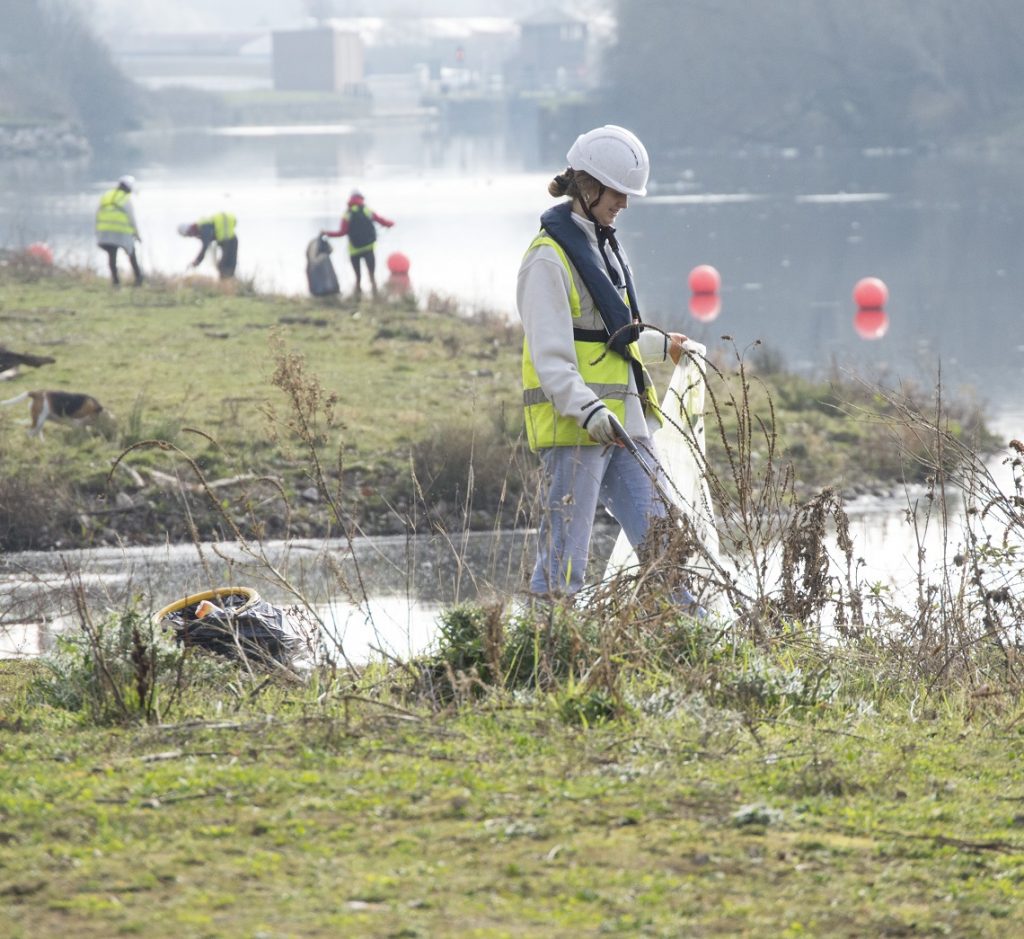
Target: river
790, 232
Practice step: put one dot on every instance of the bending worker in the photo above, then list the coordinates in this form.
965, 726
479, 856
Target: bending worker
575, 295
219, 228
359, 223
116, 228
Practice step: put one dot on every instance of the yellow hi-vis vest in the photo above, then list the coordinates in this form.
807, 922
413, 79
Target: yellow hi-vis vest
111, 216
607, 378
223, 225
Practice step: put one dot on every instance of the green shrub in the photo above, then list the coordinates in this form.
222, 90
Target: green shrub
587, 706
137, 427
548, 645
122, 669
468, 460
470, 639
754, 682
481, 648
36, 508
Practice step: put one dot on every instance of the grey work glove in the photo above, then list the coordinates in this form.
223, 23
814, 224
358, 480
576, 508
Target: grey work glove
600, 428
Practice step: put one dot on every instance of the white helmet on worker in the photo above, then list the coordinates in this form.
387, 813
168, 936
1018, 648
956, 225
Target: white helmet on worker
127, 182
614, 156
184, 228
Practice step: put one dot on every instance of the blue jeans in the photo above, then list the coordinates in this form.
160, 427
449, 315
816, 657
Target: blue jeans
577, 479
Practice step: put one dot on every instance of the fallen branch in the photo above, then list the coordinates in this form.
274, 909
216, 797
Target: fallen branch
168, 481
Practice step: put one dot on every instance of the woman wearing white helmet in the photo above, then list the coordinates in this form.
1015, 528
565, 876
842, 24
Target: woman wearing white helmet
583, 355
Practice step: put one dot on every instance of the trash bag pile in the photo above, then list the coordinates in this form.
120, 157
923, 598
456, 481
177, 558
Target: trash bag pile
320, 273
233, 622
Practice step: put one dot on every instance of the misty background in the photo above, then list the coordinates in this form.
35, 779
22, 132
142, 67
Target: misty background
796, 146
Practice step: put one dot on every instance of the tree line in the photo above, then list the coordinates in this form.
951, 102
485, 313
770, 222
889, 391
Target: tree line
807, 72
54, 69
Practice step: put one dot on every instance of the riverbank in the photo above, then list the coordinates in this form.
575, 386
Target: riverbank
56, 141
237, 413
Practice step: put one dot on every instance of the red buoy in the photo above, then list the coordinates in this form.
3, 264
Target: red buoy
41, 252
705, 279
870, 293
398, 263
871, 322
704, 307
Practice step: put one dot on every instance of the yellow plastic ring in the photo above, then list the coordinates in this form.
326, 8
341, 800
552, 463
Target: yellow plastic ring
252, 598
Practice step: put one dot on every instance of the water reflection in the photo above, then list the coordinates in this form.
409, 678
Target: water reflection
371, 592
941, 232
705, 307
399, 629
871, 322
382, 596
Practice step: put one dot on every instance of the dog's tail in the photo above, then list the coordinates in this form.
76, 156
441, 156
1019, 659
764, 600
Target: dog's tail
15, 400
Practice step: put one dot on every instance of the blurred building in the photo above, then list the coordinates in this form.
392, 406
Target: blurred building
395, 65
219, 62
553, 53
321, 58
411, 60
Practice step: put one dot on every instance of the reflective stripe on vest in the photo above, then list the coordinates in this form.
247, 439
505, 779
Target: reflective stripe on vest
604, 370
223, 225
111, 216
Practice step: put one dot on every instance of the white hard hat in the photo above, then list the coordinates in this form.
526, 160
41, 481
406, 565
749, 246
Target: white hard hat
613, 156
183, 228
128, 181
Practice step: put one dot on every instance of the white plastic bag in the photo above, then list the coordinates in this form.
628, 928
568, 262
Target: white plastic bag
680, 445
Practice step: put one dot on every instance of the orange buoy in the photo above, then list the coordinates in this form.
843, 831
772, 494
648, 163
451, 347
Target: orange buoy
871, 322
704, 307
41, 252
870, 293
398, 263
705, 279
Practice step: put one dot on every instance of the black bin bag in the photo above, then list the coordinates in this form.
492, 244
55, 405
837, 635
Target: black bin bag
323, 281
234, 622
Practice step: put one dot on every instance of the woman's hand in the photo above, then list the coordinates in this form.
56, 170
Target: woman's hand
602, 430
675, 349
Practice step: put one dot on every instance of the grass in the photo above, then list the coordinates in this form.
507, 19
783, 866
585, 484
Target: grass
841, 429
826, 763
193, 363
320, 812
202, 356
409, 394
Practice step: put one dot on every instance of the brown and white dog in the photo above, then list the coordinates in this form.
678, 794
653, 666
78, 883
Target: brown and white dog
67, 406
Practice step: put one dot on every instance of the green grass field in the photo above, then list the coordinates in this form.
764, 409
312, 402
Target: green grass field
197, 354
392, 400
193, 364
622, 770
315, 814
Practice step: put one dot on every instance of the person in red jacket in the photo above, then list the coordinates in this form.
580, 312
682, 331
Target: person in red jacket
359, 223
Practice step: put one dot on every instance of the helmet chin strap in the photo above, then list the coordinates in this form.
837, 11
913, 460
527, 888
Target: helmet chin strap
605, 235
588, 210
